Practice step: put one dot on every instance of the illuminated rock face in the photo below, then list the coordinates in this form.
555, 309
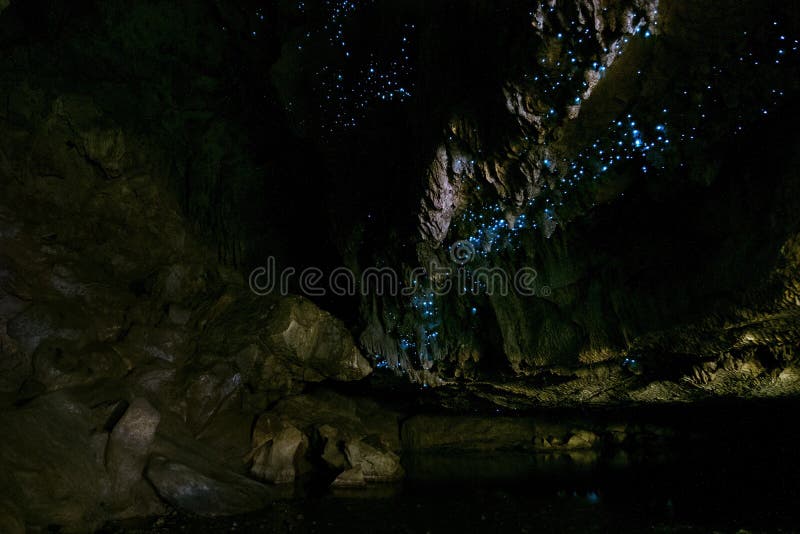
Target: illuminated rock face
358, 439
574, 47
614, 109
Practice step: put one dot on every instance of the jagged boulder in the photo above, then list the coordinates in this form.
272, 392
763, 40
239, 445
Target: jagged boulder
280, 343
350, 478
129, 444
206, 494
302, 333
352, 436
278, 450
371, 458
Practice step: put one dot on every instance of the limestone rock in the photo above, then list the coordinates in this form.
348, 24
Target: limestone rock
276, 459
301, 332
375, 463
205, 494
351, 478
293, 343
338, 418
129, 444
350, 432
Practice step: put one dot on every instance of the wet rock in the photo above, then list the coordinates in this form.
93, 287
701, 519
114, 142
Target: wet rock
129, 445
351, 478
278, 451
205, 494
441, 199
275, 462
568, 441
223, 446
301, 332
295, 342
583, 439
375, 462
347, 432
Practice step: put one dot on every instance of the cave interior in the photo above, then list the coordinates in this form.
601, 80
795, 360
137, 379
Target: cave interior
399, 265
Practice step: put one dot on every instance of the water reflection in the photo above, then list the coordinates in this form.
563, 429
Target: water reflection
503, 466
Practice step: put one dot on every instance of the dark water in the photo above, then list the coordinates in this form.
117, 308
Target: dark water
730, 471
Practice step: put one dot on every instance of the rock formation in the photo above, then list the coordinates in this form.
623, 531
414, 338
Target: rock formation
131, 362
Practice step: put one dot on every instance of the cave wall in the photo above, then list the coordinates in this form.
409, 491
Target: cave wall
683, 248
133, 365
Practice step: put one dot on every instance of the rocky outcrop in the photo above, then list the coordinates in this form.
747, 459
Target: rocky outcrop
204, 495
296, 343
278, 449
372, 460
133, 366
128, 448
356, 439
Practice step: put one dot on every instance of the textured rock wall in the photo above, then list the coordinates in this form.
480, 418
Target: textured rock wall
650, 260
132, 366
